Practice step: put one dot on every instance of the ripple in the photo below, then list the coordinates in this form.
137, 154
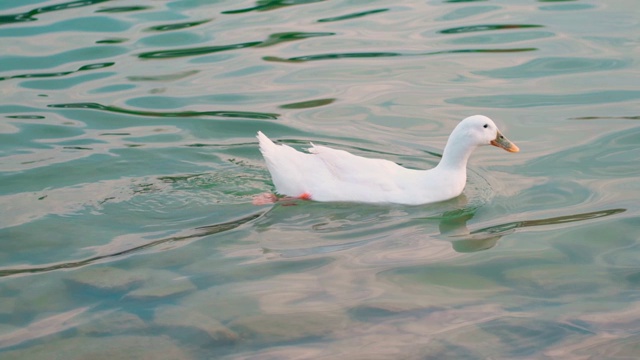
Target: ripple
365, 55
555, 66
505, 101
487, 27
196, 51
607, 117
557, 193
115, 109
119, 171
607, 346
188, 235
507, 227
502, 38
567, 7
353, 15
121, 9
44, 327
308, 104
525, 337
168, 77
30, 15
88, 67
177, 26
272, 40
279, 38
468, 12
468, 241
64, 83
83, 55
268, 5
608, 154
112, 41
37, 117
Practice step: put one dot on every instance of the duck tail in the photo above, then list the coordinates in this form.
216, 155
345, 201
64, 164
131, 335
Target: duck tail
265, 143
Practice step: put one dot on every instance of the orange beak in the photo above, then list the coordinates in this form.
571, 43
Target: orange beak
502, 142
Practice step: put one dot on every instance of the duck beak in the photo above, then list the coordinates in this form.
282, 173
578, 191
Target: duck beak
502, 142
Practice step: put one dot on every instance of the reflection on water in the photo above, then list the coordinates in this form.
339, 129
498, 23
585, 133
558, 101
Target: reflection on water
193, 234
163, 54
475, 28
273, 39
388, 54
128, 162
267, 5
30, 15
177, 26
486, 238
352, 16
452, 225
62, 73
115, 109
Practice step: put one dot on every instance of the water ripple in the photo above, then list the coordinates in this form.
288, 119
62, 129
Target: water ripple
365, 55
353, 16
508, 227
608, 154
193, 234
177, 26
465, 241
553, 66
607, 117
116, 109
120, 9
167, 77
525, 337
279, 38
475, 28
308, 104
273, 39
48, 61
536, 100
30, 15
267, 5
59, 73
466, 12
164, 54
540, 247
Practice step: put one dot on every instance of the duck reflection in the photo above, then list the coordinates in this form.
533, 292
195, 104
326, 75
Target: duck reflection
464, 240
340, 219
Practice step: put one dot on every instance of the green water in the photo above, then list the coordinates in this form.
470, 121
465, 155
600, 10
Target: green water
128, 162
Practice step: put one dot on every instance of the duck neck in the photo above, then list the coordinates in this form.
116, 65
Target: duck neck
455, 155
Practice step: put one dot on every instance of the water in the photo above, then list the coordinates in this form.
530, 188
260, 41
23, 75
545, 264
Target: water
128, 164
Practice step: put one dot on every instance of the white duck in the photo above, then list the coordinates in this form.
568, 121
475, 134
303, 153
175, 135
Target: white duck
327, 174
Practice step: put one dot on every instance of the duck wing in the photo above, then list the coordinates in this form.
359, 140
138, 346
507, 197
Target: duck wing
327, 174
349, 168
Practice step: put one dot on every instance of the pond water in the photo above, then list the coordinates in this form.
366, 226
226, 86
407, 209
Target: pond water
128, 162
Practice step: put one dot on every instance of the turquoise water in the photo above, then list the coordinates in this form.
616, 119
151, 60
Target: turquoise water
128, 162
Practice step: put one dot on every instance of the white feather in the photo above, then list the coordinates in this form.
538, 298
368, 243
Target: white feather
326, 174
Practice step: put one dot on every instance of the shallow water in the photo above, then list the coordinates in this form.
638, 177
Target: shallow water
128, 164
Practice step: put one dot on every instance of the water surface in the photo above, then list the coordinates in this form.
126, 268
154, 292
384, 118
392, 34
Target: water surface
128, 162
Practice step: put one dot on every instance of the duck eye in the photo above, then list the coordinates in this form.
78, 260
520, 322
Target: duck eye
485, 126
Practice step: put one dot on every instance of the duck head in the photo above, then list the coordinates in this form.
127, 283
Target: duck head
480, 130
